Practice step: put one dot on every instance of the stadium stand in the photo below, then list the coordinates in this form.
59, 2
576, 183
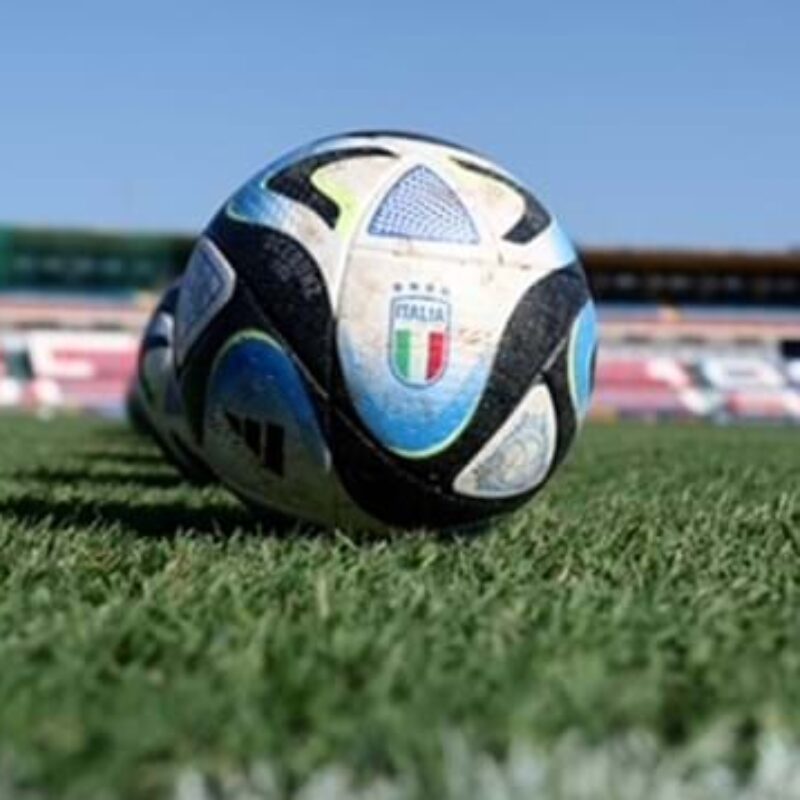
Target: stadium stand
71, 306
727, 324
684, 334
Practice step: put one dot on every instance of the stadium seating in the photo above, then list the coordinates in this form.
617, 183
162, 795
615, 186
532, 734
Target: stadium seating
86, 371
762, 405
31, 310
627, 385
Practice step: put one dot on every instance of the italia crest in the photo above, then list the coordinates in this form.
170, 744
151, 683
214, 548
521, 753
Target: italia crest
419, 334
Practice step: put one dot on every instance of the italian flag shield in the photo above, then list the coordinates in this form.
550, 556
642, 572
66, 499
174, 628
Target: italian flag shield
420, 339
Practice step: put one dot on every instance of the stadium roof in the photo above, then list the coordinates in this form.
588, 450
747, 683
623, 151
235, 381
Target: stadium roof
615, 259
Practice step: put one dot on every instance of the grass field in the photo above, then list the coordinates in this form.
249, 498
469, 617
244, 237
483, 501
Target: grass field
154, 640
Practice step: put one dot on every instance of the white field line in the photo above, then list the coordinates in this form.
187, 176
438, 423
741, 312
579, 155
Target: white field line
631, 767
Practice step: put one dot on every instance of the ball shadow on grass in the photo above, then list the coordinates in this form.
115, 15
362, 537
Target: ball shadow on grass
128, 484
102, 475
165, 511
164, 519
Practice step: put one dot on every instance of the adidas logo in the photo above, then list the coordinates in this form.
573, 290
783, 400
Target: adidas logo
264, 440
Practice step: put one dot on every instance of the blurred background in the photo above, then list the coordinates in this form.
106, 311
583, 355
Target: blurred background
665, 139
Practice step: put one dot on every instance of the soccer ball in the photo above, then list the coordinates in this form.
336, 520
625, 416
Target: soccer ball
384, 329
154, 401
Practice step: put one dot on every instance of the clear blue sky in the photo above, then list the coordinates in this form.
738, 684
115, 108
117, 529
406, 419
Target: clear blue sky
671, 123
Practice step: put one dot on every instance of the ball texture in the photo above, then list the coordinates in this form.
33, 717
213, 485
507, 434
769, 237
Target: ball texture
155, 406
383, 329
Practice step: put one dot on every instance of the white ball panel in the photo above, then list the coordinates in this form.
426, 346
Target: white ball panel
206, 287
518, 456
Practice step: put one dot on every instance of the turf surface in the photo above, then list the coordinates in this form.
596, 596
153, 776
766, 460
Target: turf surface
146, 624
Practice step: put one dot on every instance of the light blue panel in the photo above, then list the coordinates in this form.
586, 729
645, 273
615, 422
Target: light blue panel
255, 379
583, 347
415, 422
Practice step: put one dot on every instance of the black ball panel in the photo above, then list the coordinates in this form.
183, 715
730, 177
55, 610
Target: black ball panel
535, 334
287, 286
379, 485
537, 329
556, 378
407, 492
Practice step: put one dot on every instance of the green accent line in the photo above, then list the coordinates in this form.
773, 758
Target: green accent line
242, 336
443, 445
342, 196
402, 352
